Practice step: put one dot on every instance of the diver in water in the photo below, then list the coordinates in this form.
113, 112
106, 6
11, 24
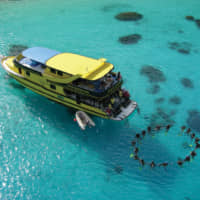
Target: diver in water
168, 127
143, 133
158, 128
187, 159
197, 146
192, 135
193, 154
188, 130
183, 128
197, 140
163, 164
152, 164
149, 129
136, 150
137, 136
180, 162
136, 157
142, 162
133, 143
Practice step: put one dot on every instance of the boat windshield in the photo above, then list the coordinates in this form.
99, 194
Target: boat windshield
32, 64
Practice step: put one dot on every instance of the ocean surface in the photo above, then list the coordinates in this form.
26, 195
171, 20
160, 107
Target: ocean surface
44, 154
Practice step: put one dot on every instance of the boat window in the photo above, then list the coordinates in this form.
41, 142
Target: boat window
52, 86
28, 73
60, 73
53, 70
29, 62
20, 70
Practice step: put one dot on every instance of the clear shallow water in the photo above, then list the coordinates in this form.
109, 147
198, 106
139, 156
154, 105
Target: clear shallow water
44, 155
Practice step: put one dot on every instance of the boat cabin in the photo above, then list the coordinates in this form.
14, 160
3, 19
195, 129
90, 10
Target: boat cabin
93, 75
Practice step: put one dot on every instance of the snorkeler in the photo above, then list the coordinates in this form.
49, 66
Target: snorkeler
158, 128
143, 133
163, 164
133, 143
192, 135
183, 128
197, 140
149, 129
137, 135
136, 157
152, 164
180, 163
187, 158
142, 162
168, 127
197, 146
136, 150
188, 130
193, 154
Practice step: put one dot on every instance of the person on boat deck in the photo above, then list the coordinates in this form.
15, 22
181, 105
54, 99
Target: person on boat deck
98, 86
120, 93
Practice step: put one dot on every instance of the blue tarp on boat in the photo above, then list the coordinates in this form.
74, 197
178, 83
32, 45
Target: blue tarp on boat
39, 54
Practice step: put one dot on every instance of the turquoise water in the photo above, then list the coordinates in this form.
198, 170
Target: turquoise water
44, 154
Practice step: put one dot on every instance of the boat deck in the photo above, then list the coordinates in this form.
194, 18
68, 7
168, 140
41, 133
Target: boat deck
125, 112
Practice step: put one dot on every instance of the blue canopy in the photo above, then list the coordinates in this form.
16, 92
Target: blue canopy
39, 54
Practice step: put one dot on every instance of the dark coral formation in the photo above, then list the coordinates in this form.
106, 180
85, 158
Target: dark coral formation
181, 47
180, 31
16, 49
184, 51
197, 21
129, 16
159, 100
113, 6
189, 17
193, 120
186, 82
130, 39
160, 117
153, 89
153, 74
175, 100
174, 45
118, 169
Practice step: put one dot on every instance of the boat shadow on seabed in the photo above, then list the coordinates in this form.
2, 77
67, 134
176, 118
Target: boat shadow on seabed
111, 140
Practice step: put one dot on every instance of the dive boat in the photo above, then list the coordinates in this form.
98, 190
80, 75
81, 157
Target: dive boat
76, 81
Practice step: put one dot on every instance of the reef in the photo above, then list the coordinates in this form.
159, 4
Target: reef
129, 16
186, 82
153, 74
130, 39
111, 7
193, 120
159, 100
16, 49
180, 31
160, 117
189, 17
154, 89
181, 47
197, 21
118, 169
175, 100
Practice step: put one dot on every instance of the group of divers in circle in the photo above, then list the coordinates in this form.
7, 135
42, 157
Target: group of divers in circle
152, 164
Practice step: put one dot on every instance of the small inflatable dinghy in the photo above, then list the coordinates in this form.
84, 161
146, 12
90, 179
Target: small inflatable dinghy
83, 120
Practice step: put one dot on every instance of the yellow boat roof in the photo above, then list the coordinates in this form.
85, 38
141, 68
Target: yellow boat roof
87, 68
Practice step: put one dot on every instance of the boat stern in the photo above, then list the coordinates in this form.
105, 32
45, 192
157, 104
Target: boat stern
126, 111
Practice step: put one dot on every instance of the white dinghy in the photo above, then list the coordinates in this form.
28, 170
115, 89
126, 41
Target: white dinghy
83, 120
